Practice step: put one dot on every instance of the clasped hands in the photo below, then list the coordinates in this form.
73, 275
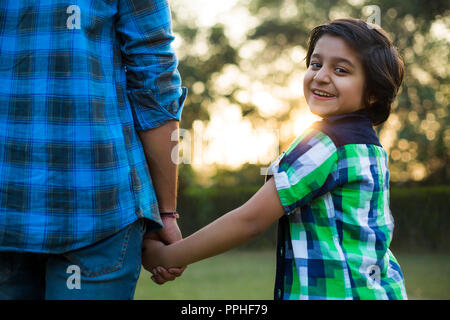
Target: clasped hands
150, 256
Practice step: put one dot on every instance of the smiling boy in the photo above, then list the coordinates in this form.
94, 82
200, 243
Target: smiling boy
334, 81
330, 189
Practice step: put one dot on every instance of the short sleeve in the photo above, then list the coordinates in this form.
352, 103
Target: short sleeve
306, 171
153, 81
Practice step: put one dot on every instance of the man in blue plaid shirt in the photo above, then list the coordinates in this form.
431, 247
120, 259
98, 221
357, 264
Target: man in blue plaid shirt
89, 97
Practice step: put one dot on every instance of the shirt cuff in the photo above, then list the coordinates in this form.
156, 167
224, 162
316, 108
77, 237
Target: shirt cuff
149, 114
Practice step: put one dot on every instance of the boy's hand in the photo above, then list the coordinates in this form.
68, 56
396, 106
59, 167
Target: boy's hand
150, 247
160, 275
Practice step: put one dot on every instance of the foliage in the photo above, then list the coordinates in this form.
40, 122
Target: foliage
421, 216
417, 134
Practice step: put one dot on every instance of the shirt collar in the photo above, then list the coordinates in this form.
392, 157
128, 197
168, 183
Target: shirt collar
362, 114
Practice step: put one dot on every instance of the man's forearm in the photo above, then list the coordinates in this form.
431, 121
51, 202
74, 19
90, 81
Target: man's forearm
158, 148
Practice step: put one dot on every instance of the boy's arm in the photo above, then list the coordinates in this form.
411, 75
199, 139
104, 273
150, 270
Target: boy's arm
229, 231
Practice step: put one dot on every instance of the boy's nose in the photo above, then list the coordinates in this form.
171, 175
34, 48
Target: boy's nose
322, 75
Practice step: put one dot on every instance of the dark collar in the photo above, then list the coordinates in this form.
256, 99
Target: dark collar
349, 128
359, 115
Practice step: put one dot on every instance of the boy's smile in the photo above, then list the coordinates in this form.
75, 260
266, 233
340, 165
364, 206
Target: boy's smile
334, 81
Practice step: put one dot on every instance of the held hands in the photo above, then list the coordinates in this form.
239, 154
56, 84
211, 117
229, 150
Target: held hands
151, 259
153, 246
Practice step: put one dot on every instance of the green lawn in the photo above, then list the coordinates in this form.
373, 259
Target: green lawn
427, 276
240, 274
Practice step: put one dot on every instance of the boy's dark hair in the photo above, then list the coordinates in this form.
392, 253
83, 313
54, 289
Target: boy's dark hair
383, 67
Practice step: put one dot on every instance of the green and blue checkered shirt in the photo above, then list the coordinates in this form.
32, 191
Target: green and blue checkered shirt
77, 80
333, 241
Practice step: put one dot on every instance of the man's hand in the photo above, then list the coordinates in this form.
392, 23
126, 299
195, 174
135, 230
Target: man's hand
169, 234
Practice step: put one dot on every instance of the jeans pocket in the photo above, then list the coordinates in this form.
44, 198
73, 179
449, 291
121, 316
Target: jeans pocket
104, 256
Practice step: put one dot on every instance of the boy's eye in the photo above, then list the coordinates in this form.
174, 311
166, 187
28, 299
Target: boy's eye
340, 70
315, 64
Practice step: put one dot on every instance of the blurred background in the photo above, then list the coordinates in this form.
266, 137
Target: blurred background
243, 63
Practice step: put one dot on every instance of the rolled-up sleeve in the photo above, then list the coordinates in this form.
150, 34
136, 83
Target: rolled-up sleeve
153, 82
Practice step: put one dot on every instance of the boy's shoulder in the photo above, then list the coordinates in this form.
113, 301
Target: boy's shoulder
350, 128
312, 145
324, 138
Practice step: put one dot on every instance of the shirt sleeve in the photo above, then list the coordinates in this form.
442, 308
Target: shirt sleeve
307, 170
153, 81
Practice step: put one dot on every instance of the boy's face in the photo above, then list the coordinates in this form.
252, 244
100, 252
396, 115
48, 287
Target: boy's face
334, 81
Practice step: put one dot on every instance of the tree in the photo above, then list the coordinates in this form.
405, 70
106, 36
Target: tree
270, 58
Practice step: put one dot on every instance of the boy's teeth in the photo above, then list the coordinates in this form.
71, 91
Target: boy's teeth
320, 93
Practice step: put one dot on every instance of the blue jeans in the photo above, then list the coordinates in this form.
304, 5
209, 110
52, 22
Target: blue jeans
108, 269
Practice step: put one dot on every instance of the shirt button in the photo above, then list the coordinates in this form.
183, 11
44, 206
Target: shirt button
281, 251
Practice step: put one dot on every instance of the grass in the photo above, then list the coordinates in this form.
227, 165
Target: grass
249, 275
427, 275
232, 275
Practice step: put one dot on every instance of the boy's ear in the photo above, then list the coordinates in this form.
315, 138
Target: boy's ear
369, 98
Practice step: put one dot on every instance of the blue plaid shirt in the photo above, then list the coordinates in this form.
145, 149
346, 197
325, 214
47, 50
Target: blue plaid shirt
76, 83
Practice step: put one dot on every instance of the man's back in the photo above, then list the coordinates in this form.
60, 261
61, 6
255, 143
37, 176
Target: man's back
76, 81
